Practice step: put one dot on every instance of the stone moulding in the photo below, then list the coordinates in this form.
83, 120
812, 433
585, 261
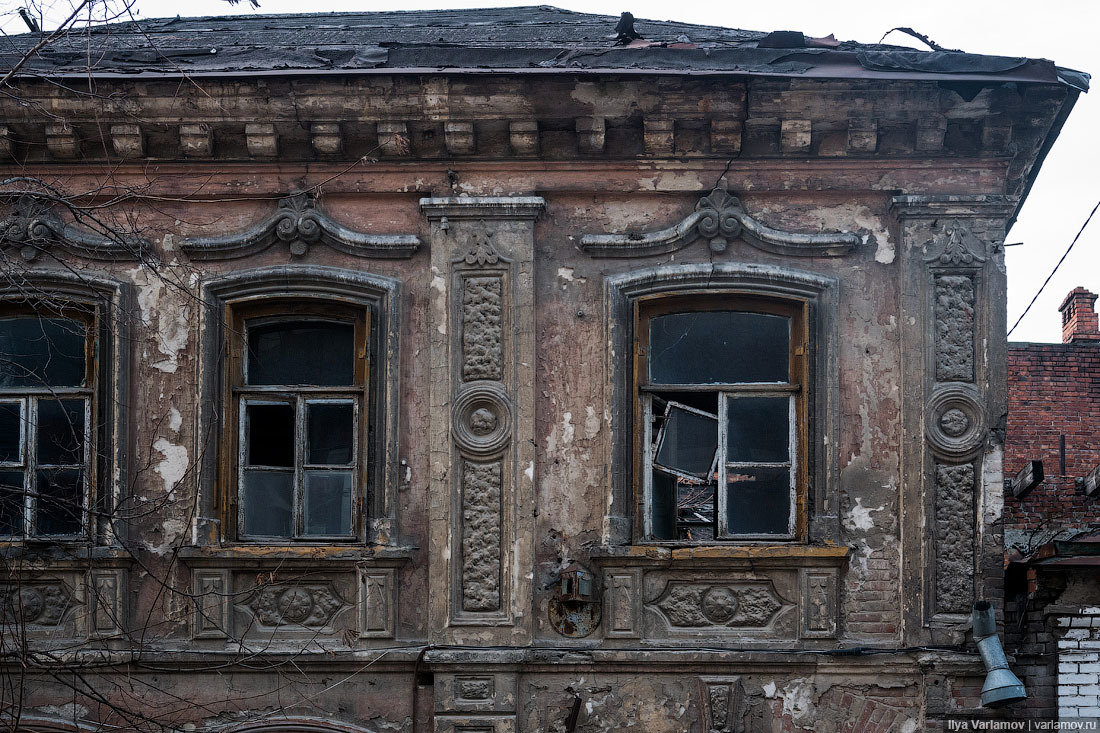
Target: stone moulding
956, 421
33, 229
300, 224
718, 218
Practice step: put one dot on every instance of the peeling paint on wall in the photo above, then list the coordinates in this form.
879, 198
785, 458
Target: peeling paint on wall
174, 466
167, 317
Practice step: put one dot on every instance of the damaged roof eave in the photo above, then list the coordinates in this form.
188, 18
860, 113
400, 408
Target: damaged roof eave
813, 73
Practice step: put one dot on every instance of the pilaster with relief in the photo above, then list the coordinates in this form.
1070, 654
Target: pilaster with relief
481, 394
953, 341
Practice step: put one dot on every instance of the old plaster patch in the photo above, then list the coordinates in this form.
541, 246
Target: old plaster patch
909, 726
567, 428
68, 711
439, 285
855, 216
173, 530
798, 701
770, 690
591, 423
169, 321
567, 275
175, 420
993, 485
859, 516
174, 466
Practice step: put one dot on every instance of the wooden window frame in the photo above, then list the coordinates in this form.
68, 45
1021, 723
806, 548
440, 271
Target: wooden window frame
29, 399
798, 388
238, 318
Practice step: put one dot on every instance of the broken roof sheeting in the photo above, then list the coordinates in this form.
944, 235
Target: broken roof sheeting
538, 39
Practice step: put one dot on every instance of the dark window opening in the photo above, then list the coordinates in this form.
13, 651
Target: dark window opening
301, 398
46, 417
721, 398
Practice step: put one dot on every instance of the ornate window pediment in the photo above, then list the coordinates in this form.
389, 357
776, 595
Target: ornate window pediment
718, 218
300, 224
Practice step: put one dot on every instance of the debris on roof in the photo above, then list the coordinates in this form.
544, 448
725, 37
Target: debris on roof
535, 39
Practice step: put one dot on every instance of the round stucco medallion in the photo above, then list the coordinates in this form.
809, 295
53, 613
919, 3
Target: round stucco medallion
483, 421
719, 604
481, 418
295, 605
955, 421
31, 604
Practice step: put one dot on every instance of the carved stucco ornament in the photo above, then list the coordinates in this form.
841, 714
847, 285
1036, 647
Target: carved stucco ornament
312, 606
36, 603
33, 229
955, 427
956, 246
715, 606
300, 224
718, 218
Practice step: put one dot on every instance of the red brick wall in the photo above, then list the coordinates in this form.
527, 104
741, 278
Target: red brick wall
1053, 390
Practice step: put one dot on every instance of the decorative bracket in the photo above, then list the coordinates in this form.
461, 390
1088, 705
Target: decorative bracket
300, 224
33, 229
718, 218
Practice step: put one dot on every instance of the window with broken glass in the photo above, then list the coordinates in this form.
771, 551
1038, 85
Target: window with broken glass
722, 398
300, 399
47, 410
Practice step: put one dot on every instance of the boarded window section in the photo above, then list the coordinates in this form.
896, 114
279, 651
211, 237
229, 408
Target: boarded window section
719, 405
299, 432
45, 425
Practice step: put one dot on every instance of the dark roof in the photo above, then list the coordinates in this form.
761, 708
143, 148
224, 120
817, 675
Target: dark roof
535, 39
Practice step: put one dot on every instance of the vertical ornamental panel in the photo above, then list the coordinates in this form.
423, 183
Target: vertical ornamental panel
952, 336
954, 537
482, 426
481, 536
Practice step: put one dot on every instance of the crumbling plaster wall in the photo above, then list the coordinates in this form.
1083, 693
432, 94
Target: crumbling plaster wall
883, 330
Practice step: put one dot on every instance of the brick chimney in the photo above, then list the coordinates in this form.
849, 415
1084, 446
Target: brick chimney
1079, 317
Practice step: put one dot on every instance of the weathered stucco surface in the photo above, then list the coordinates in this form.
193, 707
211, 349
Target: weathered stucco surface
502, 358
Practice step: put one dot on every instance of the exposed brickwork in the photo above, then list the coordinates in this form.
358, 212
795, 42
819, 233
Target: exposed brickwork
1053, 391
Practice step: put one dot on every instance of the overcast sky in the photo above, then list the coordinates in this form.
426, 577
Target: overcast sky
1063, 30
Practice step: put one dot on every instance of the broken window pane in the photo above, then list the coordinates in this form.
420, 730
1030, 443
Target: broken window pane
301, 352
270, 434
60, 432
11, 427
268, 498
759, 429
328, 502
60, 501
11, 502
331, 427
695, 510
664, 505
759, 500
38, 352
715, 347
688, 441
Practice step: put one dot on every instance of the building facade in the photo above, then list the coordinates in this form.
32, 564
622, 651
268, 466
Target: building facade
472, 371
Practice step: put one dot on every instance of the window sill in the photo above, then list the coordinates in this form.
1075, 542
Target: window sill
58, 551
725, 556
268, 555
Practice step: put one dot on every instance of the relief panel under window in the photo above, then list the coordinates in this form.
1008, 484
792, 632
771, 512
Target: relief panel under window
720, 408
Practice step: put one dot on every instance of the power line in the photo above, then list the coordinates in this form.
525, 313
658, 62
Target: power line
1040, 291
